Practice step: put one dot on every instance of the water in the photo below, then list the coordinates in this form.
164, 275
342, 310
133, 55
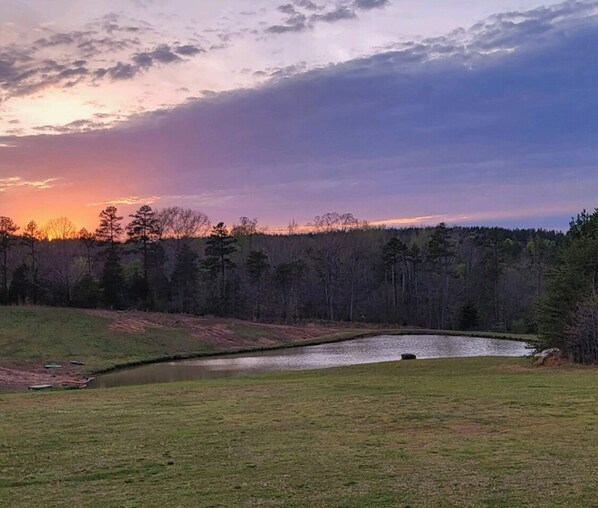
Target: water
383, 348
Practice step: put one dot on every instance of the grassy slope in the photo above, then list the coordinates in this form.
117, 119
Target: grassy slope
455, 432
48, 334
45, 334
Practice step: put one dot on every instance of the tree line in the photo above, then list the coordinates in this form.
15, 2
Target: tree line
569, 307
175, 260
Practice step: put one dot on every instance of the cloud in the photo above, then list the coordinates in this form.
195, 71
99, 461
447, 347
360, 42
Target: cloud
341, 12
12, 182
129, 200
307, 4
188, 50
109, 48
99, 121
298, 21
370, 4
295, 21
287, 9
498, 117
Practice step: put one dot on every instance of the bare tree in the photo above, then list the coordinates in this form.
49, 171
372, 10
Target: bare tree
180, 223
60, 228
334, 221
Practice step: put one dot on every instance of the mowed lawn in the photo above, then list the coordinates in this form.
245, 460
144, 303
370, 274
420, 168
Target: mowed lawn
454, 432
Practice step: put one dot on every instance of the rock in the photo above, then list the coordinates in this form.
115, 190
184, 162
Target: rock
549, 357
408, 356
40, 387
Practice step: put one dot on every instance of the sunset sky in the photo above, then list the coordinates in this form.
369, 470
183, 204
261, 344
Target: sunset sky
399, 111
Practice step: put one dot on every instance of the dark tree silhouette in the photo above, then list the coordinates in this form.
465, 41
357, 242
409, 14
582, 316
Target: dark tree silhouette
394, 255
88, 240
110, 229
468, 317
573, 280
181, 223
184, 279
112, 280
257, 266
219, 247
7, 237
31, 237
581, 337
441, 252
19, 291
144, 230
288, 278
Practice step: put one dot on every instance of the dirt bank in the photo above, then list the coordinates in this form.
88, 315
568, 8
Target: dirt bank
19, 377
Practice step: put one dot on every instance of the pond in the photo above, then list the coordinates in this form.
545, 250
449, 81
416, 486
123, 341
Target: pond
382, 348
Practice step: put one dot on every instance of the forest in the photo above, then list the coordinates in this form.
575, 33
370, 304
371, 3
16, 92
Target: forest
337, 269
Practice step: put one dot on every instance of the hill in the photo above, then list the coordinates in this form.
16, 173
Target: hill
33, 336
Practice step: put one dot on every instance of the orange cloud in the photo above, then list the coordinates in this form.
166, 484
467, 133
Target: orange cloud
16, 181
130, 200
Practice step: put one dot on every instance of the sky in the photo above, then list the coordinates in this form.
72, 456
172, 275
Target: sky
402, 112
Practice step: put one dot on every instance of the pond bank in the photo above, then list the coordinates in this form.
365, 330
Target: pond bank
110, 340
374, 349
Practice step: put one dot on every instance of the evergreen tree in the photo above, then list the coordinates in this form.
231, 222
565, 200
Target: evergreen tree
184, 279
257, 266
19, 285
144, 230
30, 238
86, 293
288, 277
468, 317
110, 229
581, 338
573, 280
441, 252
219, 247
394, 253
7, 236
112, 281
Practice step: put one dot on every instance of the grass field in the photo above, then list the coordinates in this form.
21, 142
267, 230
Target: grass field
104, 339
454, 432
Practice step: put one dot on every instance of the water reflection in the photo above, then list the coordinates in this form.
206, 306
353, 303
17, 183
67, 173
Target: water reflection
382, 348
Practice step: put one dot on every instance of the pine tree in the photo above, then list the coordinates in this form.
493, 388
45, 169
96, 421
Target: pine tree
144, 230
30, 238
110, 229
112, 281
7, 236
184, 279
393, 253
219, 247
573, 280
257, 266
19, 285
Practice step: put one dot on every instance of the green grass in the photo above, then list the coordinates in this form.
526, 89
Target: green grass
455, 432
57, 334
46, 334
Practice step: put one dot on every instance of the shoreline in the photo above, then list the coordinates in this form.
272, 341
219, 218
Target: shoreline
70, 377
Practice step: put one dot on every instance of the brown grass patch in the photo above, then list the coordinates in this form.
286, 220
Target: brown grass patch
15, 377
